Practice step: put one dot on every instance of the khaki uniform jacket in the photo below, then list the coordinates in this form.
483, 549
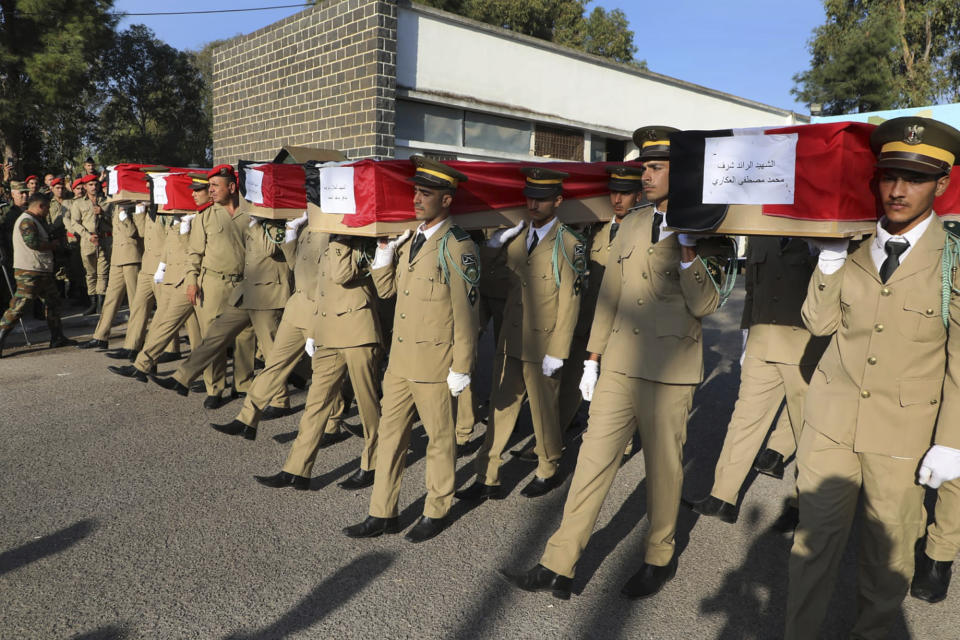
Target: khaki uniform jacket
304, 255
346, 312
881, 387
85, 224
647, 323
154, 233
435, 325
217, 242
776, 286
127, 244
58, 211
266, 275
539, 316
176, 247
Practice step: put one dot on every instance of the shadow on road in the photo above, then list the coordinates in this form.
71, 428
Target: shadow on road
48, 545
110, 632
325, 598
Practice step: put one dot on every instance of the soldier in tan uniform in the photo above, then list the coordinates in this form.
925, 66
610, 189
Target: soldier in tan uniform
779, 361
885, 389
547, 262
92, 225
125, 258
256, 302
646, 341
432, 354
345, 339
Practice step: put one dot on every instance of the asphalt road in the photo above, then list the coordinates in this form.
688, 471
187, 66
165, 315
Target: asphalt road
123, 515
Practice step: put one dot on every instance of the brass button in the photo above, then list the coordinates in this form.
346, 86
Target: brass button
872, 360
821, 286
933, 401
403, 316
929, 312
639, 300
523, 284
406, 292
864, 394
666, 272
399, 338
650, 250
323, 313
885, 291
645, 276
410, 268
878, 327
636, 331
431, 279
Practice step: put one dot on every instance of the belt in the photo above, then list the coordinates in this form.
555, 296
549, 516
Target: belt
223, 276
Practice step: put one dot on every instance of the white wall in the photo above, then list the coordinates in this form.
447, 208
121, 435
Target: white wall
443, 57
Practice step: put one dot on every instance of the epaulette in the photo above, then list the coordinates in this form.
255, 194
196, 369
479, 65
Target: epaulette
276, 230
577, 262
469, 270
459, 234
952, 227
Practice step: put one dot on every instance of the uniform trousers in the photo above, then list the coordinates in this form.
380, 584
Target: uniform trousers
33, 285
96, 266
223, 331
832, 479
622, 405
518, 379
781, 438
216, 289
943, 535
173, 311
762, 388
330, 369
432, 401
144, 302
122, 282
465, 403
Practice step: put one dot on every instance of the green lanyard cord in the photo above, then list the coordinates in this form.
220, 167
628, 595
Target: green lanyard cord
444, 264
729, 277
557, 252
949, 264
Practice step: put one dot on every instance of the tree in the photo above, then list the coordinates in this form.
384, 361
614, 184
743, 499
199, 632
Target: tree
152, 107
49, 51
883, 54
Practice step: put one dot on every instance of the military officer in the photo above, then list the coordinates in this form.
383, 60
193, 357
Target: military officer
125, 257
345, 339
92, 225
33, 271
33, 184
433, 350
548, 263
779, 361
885, 388
645, 343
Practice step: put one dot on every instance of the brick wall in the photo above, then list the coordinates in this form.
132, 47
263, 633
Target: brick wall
323, 77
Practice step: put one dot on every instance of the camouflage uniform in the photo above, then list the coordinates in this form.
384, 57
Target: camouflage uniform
32, 285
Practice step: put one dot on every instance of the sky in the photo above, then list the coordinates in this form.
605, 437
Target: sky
750, 48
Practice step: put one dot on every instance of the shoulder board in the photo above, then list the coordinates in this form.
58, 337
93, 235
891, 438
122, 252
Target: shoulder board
458, 233
952, 227
576, 234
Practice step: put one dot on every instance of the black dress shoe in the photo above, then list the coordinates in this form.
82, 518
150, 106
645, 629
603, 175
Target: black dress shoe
359, 479
250, 433
330, 439
372, 527
234, 394
931, 578
233, 428
425, 529
540, 579
715, 508
770, 463
198, 387
123, 354
272, 413
541, 486
527, 455
284, 479
94, 344
213, 402
129, 371
355, 430
479, 491
171, 384
60, 340
787, 521
649, 580
167, 356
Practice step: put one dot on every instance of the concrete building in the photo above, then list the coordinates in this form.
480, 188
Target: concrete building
385, 79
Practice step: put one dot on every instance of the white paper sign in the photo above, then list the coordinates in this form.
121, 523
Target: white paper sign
253, 184
159, 188
336, 190
750, 169
113, 185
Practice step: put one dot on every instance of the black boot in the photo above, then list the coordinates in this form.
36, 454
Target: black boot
931, 578
540, 579
92, 308
715, 508
649, 580
360, 479
770, 463
425, 529
57, 339
3, 338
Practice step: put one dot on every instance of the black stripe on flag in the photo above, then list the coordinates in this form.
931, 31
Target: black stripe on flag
686, 211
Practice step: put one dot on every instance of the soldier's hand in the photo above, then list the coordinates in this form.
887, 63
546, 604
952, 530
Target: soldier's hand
383, 256
940, 464
185, 223
310, 347
292, 227
502, 236
588, 383
457, 382
550, 365
833, 253
161, 269
194, 295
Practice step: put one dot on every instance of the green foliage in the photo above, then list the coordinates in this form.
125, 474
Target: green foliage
883, 54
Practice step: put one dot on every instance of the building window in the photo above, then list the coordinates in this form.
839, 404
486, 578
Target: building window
606, 149
429, 123
496, 133
562, 144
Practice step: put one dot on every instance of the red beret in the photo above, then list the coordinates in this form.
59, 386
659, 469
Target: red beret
56, 181
88, 178
76, 183
222, 170
29, 178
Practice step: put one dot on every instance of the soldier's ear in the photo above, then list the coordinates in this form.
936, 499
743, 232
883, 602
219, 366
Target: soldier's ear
942, 185
446, 200
557, 201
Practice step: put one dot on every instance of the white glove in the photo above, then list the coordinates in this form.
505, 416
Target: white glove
122, 216
158, 276
310, 347
743, 347
292, 226
687, 240
384, 255
833, 253
501, 236
253, 220
591, 371
457, 382
550, 365
940, 464
140, 208
185, 223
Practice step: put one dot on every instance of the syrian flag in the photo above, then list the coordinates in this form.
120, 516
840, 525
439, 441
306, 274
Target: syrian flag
816, 172
273, 185
171, 192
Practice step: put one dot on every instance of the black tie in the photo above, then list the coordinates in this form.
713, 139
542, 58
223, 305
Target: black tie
533, 244
655, 232
894, 249
614, 227
418, 241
